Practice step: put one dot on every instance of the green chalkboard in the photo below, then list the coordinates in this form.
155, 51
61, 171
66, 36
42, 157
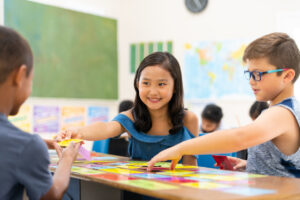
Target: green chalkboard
75, 53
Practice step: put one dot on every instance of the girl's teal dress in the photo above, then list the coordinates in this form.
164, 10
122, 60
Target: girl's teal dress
143, 146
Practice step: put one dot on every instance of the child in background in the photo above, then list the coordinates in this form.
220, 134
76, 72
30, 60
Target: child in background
256, 108
119, 145
273, 67
24, 157
211, 117
157, 120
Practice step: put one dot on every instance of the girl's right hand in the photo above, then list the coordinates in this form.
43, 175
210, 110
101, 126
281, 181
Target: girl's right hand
68, 134
237, 163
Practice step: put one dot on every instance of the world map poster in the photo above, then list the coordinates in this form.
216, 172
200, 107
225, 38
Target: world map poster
215, 70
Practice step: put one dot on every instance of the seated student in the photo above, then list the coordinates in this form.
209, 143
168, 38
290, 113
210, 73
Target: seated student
211, 117
273, 139
119, 145
24, 157
158, 119
256, 108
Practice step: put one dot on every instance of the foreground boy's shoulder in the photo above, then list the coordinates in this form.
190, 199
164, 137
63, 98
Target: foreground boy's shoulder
277, 120
190, 121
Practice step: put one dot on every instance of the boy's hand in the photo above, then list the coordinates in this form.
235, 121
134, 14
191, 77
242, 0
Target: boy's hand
68, 134
52, 144
167, 154
71, 151
237, 163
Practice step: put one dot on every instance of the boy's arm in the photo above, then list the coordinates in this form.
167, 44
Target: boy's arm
62, 174
270, 124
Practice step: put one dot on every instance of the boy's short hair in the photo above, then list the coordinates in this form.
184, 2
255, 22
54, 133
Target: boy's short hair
256, 108
14, 52
280, 50
213, 113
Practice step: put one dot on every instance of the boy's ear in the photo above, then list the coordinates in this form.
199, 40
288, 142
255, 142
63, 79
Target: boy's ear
289, 75
19, 75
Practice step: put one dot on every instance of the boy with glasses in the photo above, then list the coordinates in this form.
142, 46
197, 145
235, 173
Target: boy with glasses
273, 139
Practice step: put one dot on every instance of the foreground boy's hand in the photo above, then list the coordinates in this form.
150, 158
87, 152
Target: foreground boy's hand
237, 163
68, 134
71, 151
172, 153
52, 144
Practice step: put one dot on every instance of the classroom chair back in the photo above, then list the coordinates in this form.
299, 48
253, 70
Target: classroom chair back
207, 160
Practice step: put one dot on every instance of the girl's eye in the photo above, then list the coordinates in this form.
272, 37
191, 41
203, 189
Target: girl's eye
161, 84
145, 83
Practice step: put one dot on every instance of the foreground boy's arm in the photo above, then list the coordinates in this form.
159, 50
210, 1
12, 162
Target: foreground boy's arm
62, 174
276, 124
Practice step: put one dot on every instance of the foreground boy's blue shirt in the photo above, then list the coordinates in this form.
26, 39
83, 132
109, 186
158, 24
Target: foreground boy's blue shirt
24, 162
267, 159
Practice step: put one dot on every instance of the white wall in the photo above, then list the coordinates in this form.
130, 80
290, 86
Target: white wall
161, 20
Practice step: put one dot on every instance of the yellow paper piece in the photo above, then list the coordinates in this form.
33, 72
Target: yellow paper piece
121, 171
206, 185
66, 143
81, 170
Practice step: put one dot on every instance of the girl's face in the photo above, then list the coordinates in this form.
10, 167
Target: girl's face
156, 87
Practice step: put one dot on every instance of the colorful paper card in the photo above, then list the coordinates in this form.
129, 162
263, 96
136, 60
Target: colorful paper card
150, 185
248, 191
206, 185
86, 171
66, 143
121, 171
83, 152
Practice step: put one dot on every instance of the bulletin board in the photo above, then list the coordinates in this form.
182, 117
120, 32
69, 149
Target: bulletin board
75, 54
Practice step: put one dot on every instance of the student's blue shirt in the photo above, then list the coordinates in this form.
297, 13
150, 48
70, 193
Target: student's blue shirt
143, 146
267, 159
24, 163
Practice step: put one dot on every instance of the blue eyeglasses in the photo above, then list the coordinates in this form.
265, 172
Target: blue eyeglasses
256, 75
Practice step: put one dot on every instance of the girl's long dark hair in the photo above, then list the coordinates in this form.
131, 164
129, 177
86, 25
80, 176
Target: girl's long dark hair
140, 112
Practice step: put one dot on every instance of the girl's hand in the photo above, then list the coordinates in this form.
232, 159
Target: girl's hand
168, 154
237, 163
68, 134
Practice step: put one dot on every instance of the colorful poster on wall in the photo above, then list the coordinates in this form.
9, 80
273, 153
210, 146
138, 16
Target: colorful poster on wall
214, 70
23, 119
97, 113
72, 116
46, 119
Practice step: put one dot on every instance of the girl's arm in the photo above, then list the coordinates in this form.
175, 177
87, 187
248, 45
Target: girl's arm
95, 131
270, 124
191, 123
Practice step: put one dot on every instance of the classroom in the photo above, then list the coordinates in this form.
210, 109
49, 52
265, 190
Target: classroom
86, 55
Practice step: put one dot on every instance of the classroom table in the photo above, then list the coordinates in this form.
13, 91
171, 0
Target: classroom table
107, 176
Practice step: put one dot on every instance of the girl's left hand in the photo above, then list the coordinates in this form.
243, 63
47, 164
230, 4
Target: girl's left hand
168, 154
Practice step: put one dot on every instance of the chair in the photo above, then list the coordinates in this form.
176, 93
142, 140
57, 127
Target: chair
101, 146
207, 160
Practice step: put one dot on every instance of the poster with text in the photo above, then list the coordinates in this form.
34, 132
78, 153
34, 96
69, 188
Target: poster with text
97, 113
46, 119
72, 117
23, 119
